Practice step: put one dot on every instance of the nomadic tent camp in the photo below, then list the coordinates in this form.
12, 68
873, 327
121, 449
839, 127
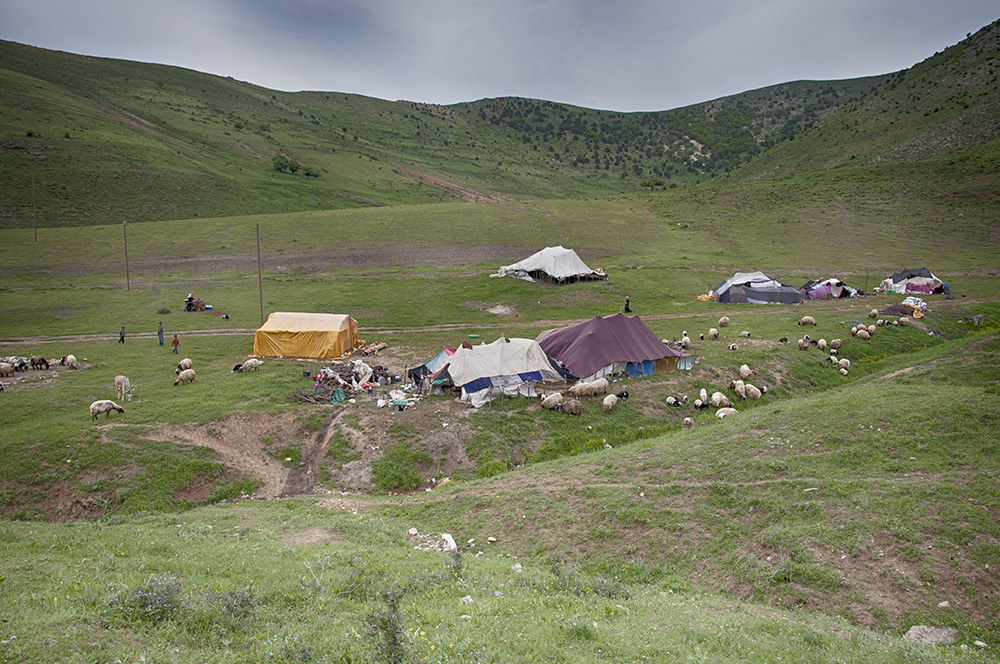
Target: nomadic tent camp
505, 367
755, 288
912, 281
320, 336
613, 345
556, 264
826, 289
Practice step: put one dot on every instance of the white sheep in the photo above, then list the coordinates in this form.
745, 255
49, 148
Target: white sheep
745, 334
581, 389
123, 388
186, 376
746, 371
600, 386
70, 361
183, 364
687, 423
609, 402
552, 400
821, 344
6, 369
844, 363
904, 320
724, 321
720, 400
252, 363
836, 343
873, 313
685, 341
703, 395
104, 406
733, 347
739, 387
863, 334
803, 344
871, 329
807, 320
713, 333
843, 372
725, 412
753, 392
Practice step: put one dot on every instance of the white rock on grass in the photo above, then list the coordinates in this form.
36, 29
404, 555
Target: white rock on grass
928, 634
446, 543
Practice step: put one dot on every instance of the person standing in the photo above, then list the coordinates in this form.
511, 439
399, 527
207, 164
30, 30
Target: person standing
121, 335
159, 332
627, 310
175, 343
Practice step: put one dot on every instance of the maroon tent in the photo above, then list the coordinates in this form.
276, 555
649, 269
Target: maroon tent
616, 344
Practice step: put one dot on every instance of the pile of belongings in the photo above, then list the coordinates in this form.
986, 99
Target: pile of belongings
193, 303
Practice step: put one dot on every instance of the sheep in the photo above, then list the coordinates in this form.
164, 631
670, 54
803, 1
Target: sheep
753, 392
733, 347
685, 341
720, 400
843, 372
70, 361
183, 364
724, 321
6, 369
836, 343
741, 389
609, 402
703, 394
713, 333
977, 319
674, 401
833, 351
803, 344
863, 334
880, 322
745, 334
904, 320
623, 395
123, 388
725, 412
552, 400
39, 362
600, 386
236, 368
821, 344
253, 363
783, 341
572, 407
701, 337
104, 406
807, 320
186, 376
871, 329
687, 423
873, 313
844, 363
746, 371
582, 389
854, 331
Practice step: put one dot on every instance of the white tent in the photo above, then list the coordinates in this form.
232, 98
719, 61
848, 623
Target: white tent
555, 263
506, 366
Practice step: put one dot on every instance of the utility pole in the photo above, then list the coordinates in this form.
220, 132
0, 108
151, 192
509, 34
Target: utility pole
260, 279
34, 217
128, 282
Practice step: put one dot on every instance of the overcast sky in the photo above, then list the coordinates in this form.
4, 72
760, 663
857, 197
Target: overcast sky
625, 55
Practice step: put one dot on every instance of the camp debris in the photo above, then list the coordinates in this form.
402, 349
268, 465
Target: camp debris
192, 303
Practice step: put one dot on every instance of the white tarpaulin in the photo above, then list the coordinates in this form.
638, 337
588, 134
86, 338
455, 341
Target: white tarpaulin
508, 366
557, 263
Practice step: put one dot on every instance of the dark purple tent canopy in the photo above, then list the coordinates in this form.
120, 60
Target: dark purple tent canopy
593, 344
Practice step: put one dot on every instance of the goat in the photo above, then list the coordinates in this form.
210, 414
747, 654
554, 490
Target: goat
123, 388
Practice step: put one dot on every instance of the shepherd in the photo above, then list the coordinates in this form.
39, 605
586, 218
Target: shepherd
627, 310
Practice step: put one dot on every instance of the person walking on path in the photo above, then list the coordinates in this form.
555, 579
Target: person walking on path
175, 343
121, 335
159, 332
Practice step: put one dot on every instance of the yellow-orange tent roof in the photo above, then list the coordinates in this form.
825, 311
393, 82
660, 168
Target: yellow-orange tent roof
320, 336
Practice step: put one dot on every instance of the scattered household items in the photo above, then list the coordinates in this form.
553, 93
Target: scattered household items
616, 344
506, 367
192, 303
342, 381
553, 264
826, 289
306, 335
913, 281
755, 288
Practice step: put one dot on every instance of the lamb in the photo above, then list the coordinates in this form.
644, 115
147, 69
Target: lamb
70, 361
863, 334
836, 343
186, 376
183, 364
821, 344
687, 423
725, 412
123, 387
104, 406
610, 402
844, 363
572, 407
720, 400
745, 334
39, 362
253, 363
807, 320
713, 333
724, 321
6, 369
746, 371
753, 392
873, 313
552, 400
